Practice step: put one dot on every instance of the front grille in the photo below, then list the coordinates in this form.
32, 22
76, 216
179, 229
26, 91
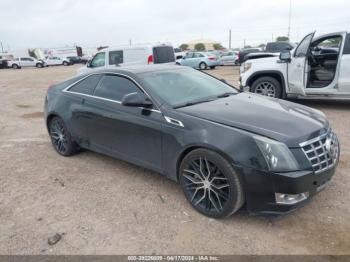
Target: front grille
322, 152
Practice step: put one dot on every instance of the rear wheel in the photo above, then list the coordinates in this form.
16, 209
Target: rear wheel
202, 66
212, 67
267, 86
65, 63
15, 66
61, 138
210, 183
39, 65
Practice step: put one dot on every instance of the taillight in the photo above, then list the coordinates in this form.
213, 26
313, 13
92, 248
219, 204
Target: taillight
150, 59
212, 58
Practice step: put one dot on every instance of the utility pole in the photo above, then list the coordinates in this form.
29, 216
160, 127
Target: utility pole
229, 39
130, 42
244, 43
290, 18
2, 48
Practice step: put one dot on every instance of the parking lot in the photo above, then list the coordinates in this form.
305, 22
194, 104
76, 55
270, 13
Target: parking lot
100, 205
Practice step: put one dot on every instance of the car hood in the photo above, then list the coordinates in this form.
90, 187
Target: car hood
278, 119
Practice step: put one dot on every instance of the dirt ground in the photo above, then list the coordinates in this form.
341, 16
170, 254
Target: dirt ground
100, 205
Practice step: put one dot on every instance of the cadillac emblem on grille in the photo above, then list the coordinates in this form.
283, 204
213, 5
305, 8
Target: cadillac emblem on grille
322, 152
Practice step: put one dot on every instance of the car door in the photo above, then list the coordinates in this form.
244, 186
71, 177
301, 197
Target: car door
129, 133
186, 60
297, 68
24, 62
197, 58
50, 61
32, 62
344, 76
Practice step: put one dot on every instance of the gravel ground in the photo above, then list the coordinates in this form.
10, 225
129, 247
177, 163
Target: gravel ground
100, 205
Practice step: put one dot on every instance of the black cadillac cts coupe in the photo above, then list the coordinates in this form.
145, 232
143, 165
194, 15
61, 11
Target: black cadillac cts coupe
225, 148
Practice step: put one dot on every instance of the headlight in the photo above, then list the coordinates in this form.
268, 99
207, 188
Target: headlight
246, 66
277, 155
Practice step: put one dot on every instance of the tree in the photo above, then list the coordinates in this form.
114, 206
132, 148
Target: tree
282, 39
247, 46
218, 46
184, 46
199, 47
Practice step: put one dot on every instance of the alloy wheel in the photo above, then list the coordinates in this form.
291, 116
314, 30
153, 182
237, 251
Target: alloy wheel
266, 89
58, 135
207, 187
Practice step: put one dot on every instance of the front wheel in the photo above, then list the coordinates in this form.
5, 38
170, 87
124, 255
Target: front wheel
61, 138
39, 65
210, 183
267, 86
15, 66
203, 66
65, 63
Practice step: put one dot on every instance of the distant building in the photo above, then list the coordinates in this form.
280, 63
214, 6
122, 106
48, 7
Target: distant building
208, 43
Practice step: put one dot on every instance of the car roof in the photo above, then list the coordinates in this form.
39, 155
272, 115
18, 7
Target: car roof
139, 69
132, 47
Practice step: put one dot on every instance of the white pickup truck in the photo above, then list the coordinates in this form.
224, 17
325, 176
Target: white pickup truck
317, 68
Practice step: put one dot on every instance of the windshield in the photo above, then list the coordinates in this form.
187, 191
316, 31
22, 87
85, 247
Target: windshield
183, 86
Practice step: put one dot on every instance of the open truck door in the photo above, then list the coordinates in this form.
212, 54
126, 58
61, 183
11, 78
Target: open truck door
297, 68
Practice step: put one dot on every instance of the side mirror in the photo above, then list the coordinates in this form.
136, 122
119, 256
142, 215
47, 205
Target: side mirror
137, 100
88, 63
285, 56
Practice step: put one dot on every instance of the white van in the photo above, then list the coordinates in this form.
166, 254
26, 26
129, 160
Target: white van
131, 55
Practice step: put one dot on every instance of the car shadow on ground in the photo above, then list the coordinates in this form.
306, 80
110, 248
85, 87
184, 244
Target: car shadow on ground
173, 189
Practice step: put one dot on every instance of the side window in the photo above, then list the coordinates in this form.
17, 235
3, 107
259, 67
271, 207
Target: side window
86, 86
115, 87
347, 45
189, 55
196, 55
98, 60
303, 47
115, 57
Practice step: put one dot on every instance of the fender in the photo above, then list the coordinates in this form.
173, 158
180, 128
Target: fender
268, 72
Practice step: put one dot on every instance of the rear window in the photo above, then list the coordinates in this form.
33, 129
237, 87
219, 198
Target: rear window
277, 47
163, 54
86, 86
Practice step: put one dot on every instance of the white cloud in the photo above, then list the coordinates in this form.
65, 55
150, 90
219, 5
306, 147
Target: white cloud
43, 23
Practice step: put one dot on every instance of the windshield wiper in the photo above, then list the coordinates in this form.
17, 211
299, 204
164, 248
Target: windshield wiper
227, 94
193, 103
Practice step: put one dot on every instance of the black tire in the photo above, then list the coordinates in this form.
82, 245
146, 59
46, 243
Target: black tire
267, 86
15, 66
212, 67
39, 65
61, 138
221, 194
203, 66
65, 63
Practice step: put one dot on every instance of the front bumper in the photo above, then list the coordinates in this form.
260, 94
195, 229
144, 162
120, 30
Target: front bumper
260, 188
